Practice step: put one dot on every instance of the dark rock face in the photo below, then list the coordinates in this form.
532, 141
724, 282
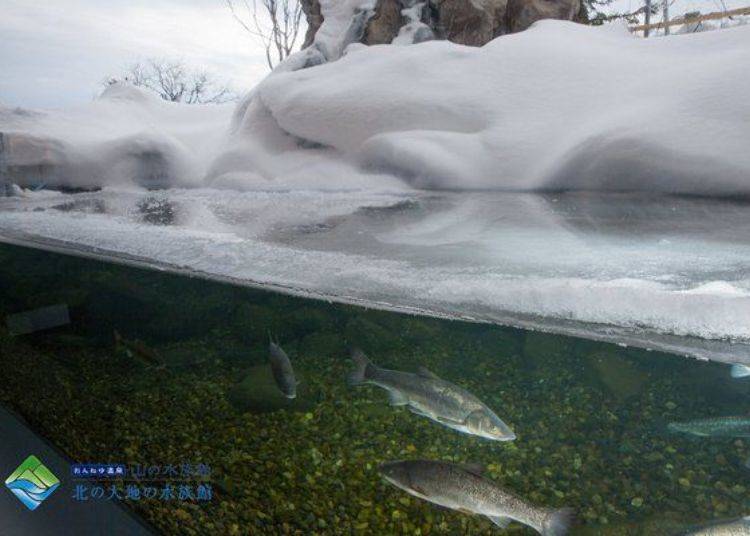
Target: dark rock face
311, 9
521, 14
468, 23
465, 22
383, 26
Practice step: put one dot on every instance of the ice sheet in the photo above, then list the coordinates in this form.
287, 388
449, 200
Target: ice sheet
661, 272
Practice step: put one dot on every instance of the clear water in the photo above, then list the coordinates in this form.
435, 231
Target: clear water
591, 418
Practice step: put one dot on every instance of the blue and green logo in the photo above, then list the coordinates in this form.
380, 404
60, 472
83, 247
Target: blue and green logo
32, 482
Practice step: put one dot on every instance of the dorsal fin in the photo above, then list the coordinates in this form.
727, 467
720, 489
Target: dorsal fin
425, 373
473, 468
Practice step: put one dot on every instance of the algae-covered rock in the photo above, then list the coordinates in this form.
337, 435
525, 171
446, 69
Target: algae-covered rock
618, 375
364, 333
258, 393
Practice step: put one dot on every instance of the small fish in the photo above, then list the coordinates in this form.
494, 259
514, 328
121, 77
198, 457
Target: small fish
429, 396
140, 350
282, 370
732, 527
740, 371
714, 427
466, 490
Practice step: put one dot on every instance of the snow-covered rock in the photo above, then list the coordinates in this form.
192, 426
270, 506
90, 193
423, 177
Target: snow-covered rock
465, 22
559, 106
126, 136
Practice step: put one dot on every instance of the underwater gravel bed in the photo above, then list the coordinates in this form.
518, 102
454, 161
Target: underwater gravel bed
590, 417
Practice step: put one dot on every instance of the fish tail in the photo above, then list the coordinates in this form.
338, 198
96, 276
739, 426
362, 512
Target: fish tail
557, 522
363, 368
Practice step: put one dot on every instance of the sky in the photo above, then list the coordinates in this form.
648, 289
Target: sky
55, 53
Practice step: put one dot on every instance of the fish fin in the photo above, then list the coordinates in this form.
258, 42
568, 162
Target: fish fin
500, 521
740, 371
363, 367
557, 522
419, 412
474, 468
425, 373
450, 422
397, 398
466, 511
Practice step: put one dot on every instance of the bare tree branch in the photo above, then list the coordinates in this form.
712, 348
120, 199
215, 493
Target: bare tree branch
174, 83
278, 34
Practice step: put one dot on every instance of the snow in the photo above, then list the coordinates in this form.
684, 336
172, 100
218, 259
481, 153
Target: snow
104, 142
414, 31
344, 23
557, 106
391, 177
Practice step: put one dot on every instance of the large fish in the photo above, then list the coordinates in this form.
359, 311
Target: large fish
714, 427
465, 489
733, 527
427, 395
283, 373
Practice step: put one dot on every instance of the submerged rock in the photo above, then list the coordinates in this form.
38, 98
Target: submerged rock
258, 393
618, 375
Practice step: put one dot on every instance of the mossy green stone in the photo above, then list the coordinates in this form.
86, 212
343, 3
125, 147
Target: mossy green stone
258, 393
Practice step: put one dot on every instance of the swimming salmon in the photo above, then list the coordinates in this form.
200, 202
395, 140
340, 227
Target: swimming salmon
465, 489
429, 396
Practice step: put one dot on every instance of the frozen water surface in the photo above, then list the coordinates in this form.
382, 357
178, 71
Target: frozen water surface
653, 271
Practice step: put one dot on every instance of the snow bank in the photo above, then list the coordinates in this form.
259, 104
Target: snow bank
126, 136
558, 106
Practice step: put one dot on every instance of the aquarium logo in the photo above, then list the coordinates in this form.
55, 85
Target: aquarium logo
32, 482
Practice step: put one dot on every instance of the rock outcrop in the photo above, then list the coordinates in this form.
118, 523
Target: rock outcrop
467, 22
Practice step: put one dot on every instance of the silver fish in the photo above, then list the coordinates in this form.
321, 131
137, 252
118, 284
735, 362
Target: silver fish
466, 490
739, 370
429, 396
732, 527
282, 370
714, 427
